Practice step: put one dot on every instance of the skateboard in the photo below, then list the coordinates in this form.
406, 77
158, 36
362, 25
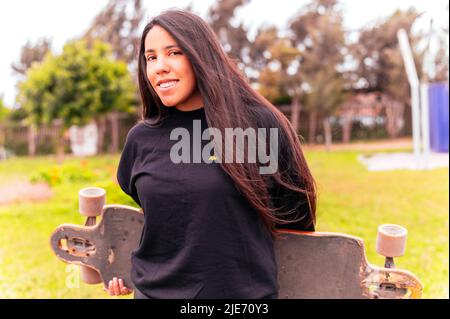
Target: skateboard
315, 265
102, 249
310, 264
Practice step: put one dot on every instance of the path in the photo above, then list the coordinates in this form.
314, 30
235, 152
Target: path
24, 191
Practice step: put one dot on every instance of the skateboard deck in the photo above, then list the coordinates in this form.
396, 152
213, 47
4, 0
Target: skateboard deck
105, 247
310, 264
333, 265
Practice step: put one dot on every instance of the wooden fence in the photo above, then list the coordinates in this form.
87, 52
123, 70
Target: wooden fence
17, 138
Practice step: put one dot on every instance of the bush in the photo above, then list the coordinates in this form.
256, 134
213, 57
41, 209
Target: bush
67, 173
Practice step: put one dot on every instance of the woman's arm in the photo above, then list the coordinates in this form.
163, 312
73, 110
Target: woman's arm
125, 170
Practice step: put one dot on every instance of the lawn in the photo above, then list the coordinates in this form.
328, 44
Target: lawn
351, 200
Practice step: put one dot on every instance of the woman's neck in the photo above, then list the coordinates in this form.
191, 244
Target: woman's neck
194, 102
188, 109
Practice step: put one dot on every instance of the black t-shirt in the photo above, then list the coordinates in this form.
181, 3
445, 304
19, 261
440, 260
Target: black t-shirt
201, 237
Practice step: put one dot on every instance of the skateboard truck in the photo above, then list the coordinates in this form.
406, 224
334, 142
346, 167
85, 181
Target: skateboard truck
391, 242
91, 201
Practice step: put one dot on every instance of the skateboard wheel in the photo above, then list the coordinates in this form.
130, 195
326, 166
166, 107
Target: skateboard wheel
90, 276
91, 201
391, 240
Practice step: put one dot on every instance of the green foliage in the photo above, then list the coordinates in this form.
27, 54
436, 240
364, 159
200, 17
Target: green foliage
17, 115
282, 99
276, 55
306, 65
319, 30
76, 86
327, 94
4, 111
67, 173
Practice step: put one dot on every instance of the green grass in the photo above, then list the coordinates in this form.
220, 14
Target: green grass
351, 200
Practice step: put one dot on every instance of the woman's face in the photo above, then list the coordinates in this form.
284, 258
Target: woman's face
169, 71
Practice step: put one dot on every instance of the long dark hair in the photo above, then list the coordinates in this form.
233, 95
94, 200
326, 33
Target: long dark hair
230, 102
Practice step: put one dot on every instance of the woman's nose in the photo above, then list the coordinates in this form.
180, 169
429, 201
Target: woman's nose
161, 66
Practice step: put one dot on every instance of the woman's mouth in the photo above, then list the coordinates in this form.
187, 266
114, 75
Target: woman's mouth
167, 85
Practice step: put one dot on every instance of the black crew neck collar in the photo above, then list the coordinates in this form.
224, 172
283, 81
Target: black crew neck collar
174, 110
188, 111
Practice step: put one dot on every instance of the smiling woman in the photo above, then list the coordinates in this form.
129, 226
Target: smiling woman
170, 72
209, 225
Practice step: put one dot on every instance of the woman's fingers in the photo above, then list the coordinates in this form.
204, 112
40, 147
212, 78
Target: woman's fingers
124, 290
117, 288
110, 288
113, 287
121, 286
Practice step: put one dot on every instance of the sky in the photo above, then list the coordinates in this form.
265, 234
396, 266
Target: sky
61, 20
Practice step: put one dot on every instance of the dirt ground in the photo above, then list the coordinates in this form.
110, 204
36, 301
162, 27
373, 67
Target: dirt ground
24, 191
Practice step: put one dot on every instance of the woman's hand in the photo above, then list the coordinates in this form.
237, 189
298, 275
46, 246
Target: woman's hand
116, 288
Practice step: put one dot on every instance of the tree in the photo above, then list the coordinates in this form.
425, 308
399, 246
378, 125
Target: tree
318, 34
435, 57
276, 60
4, 112
31, 53
118, 24
76, 87
232, 35
441, 64
380, 64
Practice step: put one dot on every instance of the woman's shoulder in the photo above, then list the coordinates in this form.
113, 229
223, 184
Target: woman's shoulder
141, 133
135, 131
140, 129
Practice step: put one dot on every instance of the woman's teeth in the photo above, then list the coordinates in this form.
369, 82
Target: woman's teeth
166, 85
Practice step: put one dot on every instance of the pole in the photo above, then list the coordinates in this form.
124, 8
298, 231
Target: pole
413, 80
425, 125
427, 66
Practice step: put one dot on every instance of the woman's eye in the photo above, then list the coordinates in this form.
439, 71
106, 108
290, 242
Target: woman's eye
152, 57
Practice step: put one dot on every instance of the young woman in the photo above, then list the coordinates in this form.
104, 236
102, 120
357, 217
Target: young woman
209, 225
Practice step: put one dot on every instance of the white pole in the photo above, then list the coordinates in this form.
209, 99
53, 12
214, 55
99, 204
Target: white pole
415, 104
413, 80
427, 67
425, 124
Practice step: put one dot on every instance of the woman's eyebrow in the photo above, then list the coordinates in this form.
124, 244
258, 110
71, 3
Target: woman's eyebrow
165, 48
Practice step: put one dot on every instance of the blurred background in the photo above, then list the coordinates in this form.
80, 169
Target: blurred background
68, 96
